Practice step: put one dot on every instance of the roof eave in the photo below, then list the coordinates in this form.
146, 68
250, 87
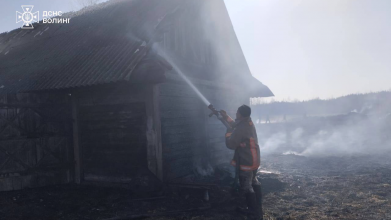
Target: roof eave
256, 89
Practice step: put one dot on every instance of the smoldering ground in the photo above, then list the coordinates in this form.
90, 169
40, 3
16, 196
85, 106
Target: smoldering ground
342, 135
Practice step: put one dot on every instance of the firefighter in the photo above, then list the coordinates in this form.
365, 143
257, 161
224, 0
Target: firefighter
243, 140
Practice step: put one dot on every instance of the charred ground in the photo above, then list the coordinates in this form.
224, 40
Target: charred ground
297, 188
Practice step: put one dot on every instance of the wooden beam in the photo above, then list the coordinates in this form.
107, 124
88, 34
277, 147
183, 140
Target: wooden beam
76, 142
157, 127
153, 133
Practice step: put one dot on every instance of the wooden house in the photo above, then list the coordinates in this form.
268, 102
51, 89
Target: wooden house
100, 98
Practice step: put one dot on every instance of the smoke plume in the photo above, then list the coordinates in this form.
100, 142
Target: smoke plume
344, 135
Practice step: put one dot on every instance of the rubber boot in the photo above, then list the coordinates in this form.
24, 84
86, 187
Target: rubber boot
247, 207
252, 205
258, 195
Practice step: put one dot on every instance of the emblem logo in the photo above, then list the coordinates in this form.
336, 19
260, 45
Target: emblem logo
27, 17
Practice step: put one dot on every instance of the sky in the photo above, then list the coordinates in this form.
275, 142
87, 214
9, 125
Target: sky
305, 49
300, 49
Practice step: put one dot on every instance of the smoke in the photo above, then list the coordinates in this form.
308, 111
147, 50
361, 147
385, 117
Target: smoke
345, 135
205, 170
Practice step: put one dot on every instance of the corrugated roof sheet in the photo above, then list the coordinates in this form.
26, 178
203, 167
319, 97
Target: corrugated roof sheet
101, 44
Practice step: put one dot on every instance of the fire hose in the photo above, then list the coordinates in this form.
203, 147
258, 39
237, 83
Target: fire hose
219, 116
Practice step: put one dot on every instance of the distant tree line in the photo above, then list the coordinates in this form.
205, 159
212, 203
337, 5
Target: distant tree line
369, 103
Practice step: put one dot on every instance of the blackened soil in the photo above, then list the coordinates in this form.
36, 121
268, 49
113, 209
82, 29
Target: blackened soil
298, 188
96, 202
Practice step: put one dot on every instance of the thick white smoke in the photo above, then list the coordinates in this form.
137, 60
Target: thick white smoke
347, 135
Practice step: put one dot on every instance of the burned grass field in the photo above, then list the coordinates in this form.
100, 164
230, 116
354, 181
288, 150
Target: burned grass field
331, 188
295, 187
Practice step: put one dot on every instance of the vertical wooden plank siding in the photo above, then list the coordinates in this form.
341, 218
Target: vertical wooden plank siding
76, 143
35, 140
193, 142
113, 132
153, 132
157, 124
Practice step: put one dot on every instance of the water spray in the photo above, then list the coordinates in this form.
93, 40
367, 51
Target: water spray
182, 75
195, 89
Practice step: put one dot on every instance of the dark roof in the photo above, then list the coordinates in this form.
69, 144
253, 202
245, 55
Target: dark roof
101, 44
110, 42
256, 89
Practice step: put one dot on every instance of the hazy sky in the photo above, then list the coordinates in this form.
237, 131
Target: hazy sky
301, 49
316, 48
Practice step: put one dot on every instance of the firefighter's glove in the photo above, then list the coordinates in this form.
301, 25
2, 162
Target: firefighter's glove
224, 114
